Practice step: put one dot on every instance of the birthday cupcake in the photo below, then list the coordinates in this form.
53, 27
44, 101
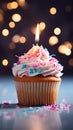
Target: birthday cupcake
37, 77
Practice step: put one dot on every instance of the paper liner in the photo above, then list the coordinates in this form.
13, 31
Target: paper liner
37, 93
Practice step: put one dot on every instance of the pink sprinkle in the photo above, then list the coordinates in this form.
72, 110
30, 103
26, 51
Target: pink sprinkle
35, 65
53, 60
42, 64
53, 107
17, 56
18, 62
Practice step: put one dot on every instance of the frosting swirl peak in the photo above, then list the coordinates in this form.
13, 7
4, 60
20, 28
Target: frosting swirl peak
37, 61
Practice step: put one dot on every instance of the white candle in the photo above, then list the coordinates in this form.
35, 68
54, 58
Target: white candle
37, 34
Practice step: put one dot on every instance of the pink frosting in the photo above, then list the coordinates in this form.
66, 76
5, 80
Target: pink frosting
37, 61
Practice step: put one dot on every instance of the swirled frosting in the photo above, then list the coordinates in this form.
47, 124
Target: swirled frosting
37, 61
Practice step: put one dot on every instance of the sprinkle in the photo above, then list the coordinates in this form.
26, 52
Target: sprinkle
24, 110
23, 66
33, 70
40, 71
18, 62
16, 56
53, 55
30, 110
62, 107
14, 64
35, 65
37, 109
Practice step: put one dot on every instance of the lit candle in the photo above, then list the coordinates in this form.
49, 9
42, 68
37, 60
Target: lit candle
37, 34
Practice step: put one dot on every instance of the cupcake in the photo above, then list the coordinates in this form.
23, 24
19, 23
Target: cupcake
37, 77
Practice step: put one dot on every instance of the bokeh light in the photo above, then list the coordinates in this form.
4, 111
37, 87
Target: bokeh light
57, 31
5, 32
64, 50
53, 40
33, 30
9, 6
12, 5
16, 17
4, 62
53, 10
70, 61
21, 3
16, 38
68, 44
11, 24
22, 39
12, 46
42, 26
1, 16
67, 52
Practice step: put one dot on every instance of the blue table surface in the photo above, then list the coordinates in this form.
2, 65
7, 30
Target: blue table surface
37, 119
13, 117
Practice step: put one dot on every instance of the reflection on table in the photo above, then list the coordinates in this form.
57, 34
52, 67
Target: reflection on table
37, 118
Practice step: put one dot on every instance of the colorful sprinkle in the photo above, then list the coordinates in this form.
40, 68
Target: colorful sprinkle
37, 57
23, 66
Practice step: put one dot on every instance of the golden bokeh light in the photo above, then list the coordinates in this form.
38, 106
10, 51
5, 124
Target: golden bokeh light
70, 62
67, 52
4, 62
9, 6
53, 10
22, 39
12, 5
33, 30
57, 31
68, 44
5, 32
53, 40
42, 26
64, 50
16, 38
11, 24
16, 17
21, 3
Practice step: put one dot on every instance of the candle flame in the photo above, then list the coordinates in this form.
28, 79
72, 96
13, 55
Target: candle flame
37, 33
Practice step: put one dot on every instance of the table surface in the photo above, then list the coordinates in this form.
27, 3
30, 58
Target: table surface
38, 118
14, 117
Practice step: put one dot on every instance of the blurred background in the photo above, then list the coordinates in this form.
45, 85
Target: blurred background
18, 20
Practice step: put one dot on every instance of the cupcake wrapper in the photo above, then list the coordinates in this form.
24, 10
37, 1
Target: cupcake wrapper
37, 93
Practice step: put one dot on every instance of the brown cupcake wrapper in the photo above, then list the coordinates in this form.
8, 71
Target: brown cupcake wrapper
37, 93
